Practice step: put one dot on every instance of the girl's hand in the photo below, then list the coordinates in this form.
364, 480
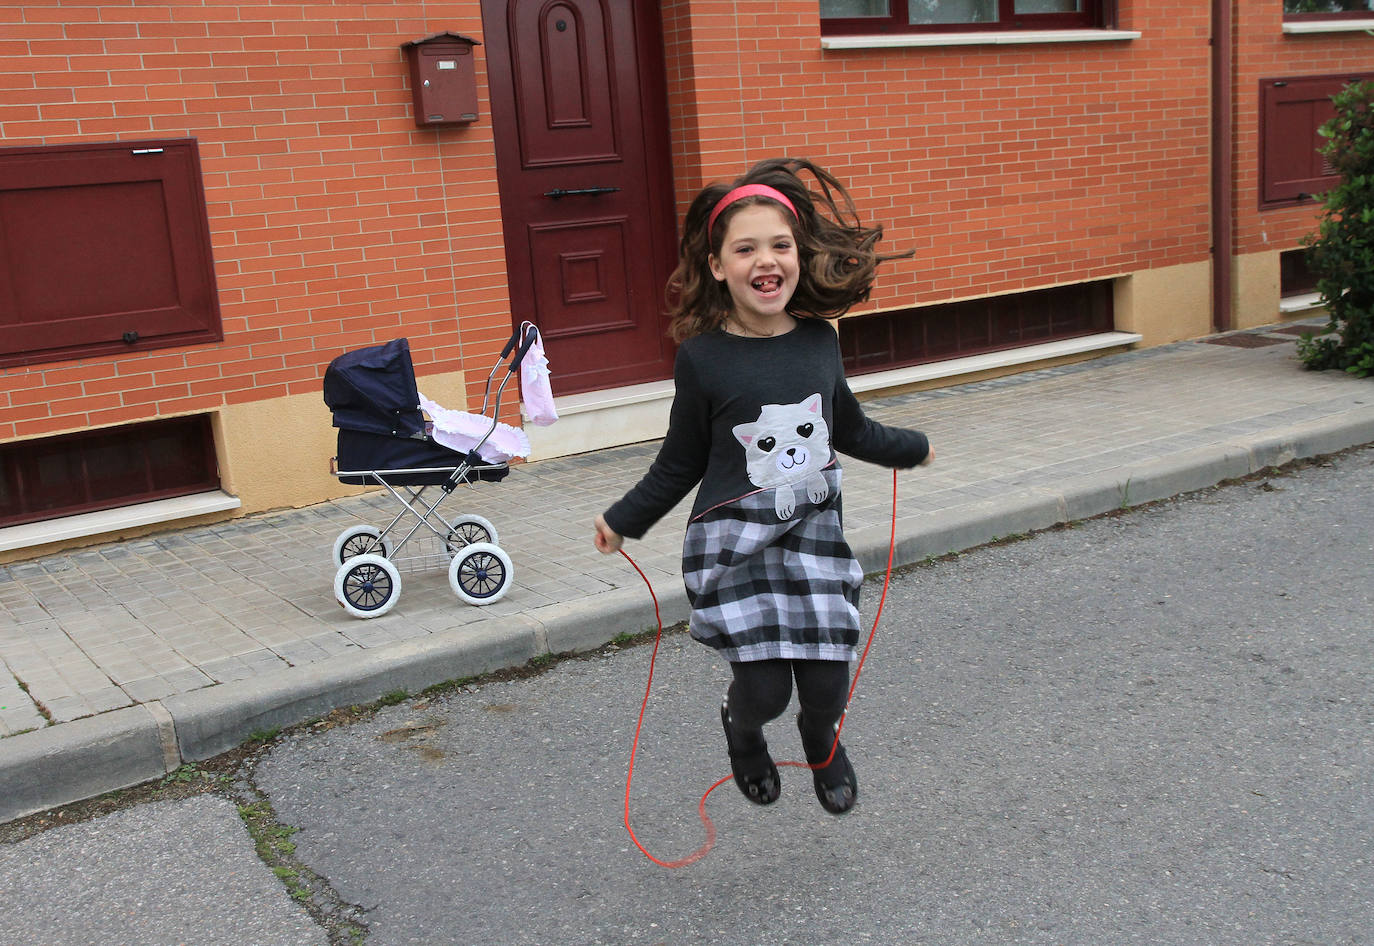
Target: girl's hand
607, 540
930, 457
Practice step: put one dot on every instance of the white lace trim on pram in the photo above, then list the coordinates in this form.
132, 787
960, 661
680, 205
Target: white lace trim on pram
461, 431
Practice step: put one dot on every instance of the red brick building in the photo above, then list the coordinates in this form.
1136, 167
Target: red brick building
201, 205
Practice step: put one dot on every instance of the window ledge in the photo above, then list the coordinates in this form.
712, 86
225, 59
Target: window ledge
640, 413
115, 520
594, 401
990, 38
1329, 26
1009, 358
1308, 300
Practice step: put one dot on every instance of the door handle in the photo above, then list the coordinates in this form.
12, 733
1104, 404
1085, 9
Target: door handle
558, 192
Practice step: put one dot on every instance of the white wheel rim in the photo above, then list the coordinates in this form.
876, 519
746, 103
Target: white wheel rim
470, 519
486, 569
367, 586
354, 532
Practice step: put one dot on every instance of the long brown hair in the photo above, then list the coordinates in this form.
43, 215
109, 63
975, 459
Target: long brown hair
835, 250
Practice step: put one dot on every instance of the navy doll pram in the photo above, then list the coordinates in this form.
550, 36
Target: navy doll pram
384, 440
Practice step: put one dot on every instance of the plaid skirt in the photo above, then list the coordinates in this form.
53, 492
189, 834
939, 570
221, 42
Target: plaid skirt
764, 589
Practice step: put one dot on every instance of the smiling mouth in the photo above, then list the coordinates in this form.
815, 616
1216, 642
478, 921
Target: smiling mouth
767, 284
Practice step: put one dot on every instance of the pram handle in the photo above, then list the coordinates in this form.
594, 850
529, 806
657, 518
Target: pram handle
530, 335
514, 337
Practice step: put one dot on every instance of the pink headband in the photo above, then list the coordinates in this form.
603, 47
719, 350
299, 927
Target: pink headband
748, 190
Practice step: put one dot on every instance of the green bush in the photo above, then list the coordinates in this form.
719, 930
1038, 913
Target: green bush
1341, 253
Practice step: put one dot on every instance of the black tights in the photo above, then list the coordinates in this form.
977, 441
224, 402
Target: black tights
762, 689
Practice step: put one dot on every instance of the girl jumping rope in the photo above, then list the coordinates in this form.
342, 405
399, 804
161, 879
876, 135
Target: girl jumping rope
760, 408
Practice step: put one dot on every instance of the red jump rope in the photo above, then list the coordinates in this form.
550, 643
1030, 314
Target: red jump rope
706, 821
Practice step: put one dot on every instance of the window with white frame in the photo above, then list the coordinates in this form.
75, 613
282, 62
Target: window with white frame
857, 17
1326, 9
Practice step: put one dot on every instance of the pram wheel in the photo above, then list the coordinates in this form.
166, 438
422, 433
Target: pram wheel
367, 586
469, 530
360, 540
480, 573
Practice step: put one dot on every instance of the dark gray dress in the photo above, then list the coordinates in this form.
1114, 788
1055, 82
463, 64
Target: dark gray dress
757, 422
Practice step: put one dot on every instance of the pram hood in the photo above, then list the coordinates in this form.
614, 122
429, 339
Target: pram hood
373, 390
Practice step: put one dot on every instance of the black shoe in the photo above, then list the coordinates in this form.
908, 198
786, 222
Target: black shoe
837, 787
753, 768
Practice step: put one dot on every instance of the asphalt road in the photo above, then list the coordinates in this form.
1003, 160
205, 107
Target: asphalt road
1154, 728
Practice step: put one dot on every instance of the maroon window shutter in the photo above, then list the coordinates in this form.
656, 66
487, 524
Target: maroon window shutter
103, 248
1292, 167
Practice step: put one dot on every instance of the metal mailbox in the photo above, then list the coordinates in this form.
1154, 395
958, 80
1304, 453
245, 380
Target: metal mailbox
443, 79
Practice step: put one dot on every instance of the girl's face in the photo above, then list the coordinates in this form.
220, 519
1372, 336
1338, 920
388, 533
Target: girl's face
758, 263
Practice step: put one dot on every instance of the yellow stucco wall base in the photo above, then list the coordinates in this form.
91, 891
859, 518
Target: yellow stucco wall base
275, 454
1166, 305
1255, 289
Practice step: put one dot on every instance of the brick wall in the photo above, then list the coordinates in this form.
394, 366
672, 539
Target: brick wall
335, 222
1004, 167
1264, 51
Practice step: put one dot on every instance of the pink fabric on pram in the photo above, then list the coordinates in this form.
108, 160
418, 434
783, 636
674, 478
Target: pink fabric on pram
461, 431
534, 384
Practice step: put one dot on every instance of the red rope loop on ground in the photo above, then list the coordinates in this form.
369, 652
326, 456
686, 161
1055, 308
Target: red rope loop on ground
706, 821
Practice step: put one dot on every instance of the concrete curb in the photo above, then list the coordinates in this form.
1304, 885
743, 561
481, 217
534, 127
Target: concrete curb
89, 757
78, 760
974, 524
218, 718
588, 623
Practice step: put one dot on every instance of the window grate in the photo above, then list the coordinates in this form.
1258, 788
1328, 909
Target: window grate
50, 477
916, 336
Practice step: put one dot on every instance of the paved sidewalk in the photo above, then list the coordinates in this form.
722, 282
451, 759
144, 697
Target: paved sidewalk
120, 661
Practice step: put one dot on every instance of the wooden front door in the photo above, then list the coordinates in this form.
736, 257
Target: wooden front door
579, 114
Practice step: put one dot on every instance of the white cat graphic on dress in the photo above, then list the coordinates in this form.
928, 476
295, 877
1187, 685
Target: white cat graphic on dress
786, 448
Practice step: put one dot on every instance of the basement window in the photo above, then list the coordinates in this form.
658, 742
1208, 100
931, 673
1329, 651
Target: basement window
887, 340
51, 477
1297, 283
